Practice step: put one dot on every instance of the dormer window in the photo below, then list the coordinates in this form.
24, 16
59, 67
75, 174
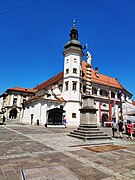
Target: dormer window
60, 87
75, 70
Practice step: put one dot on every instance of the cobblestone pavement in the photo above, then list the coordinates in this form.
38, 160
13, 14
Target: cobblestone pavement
39, 153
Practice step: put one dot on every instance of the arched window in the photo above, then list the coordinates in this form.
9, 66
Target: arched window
119, 94
105, 93
101, 92
94, 90
84, 88
104, 119
112, 94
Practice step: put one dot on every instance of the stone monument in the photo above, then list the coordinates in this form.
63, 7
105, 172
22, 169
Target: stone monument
88, 129
88, 112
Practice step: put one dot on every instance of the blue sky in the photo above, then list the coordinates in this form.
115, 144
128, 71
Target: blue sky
33, 34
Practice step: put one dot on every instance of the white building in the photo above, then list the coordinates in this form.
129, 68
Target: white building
69, 86
12, 100
45, 103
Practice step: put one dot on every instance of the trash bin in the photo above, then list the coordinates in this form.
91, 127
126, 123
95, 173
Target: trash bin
37, 122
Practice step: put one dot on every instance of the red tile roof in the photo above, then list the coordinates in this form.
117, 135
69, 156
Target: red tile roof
60, 99
41, 96
102, 79
133, 103
50, 81
34, 98
22, 89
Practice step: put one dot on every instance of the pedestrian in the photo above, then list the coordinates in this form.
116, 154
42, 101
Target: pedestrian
114, 128
4, 119
65, 121
130, 130
121, 128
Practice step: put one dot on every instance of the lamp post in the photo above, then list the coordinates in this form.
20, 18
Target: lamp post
121, 112
109, 92
109, 106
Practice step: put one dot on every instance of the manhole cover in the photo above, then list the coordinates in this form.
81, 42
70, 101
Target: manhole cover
104, 148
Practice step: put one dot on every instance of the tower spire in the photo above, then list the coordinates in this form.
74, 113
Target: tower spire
74, 32
74, 23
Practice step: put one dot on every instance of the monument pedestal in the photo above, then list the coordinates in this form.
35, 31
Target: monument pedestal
88, 129
88, 112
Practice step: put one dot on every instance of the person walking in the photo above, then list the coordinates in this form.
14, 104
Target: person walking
114, 128
4, 119
65, 121
130, 130
121, 128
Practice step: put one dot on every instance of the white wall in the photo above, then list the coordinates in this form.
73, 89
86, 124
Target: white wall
72, 107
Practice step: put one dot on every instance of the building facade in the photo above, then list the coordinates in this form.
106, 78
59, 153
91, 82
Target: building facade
109, 95
63, 93
12, 101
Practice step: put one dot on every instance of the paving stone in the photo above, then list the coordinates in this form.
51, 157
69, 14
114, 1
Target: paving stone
51, 150
50, 173
2, 177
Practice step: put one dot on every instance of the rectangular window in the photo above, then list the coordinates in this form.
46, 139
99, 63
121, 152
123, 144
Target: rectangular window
14, 101
24, 100
73, 115
67, 61
75, 70
66, 86
74, 86
67, 71
75, 60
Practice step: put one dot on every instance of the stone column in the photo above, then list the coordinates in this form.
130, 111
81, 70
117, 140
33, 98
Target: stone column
88, 112
116, 95
88, 73
98, 92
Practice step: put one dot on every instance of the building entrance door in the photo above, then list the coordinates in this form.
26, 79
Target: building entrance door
104, 119
13, 113
55, 116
